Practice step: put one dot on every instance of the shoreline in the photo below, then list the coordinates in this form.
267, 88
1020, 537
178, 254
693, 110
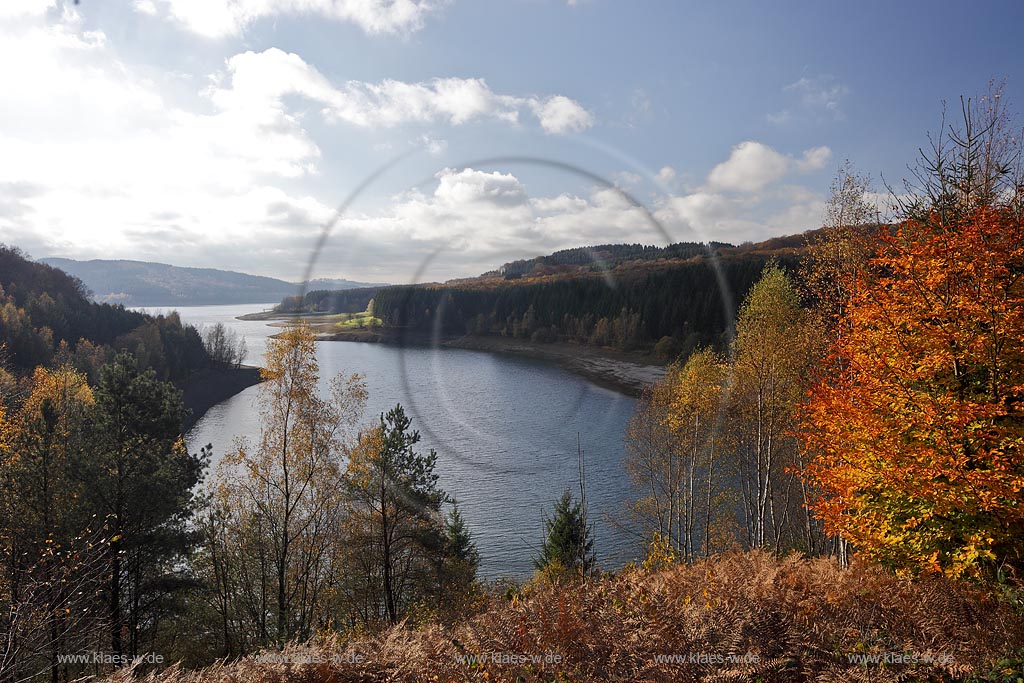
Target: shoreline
206, 388
619, 371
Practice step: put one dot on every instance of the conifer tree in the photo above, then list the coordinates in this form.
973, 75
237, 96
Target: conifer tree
568, 545
395, 513
140, 478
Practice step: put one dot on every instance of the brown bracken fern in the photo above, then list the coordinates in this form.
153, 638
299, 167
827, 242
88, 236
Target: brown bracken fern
738, 617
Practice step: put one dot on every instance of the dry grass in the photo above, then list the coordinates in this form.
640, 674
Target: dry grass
800, 618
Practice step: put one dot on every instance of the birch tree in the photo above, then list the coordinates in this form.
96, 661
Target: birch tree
672, 444
771, 358
280, 500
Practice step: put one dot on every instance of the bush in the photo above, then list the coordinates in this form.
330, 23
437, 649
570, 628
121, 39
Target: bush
667, 348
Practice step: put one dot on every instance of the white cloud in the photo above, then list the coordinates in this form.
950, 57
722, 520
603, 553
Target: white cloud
99, 161
116, 167
559, 114
13, 9
705, 215
752, 166
743, 199
434, 146
470, 187
262, 79
219, 18
470, 221
563, 203
814, 159
667, 175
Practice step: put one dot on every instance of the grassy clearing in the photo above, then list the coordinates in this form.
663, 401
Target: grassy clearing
355, 321
325, 324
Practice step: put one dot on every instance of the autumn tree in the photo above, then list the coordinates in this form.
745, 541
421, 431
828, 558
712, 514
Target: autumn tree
672, 442
278, 503
652, 462
771, 355
835, 256
837, 252
696, 408
42, 515
917, 425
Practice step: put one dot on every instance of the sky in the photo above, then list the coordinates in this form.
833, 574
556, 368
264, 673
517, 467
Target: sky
434, 139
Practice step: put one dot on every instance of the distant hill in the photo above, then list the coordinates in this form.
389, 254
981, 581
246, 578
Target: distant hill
141, 283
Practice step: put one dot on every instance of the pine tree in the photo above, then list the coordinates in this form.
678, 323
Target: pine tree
459, 545
457, 566
568, 546
395, 516
141, 479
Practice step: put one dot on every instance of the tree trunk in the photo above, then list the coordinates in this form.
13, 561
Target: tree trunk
389, 596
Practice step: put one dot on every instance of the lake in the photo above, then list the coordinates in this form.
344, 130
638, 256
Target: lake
504, 429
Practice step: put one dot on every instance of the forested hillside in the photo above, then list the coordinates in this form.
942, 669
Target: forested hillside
626, 296
46, 318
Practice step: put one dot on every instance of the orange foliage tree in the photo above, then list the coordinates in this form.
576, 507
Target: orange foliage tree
918, 431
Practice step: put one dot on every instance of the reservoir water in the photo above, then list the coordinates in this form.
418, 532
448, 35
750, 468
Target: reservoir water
504, 429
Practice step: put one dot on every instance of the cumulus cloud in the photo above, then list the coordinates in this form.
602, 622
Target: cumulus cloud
814, 159
100, 161
145, 7
114, 167
262, 79
559, 114
706, 215
470, 187
219, 18
744, 197
752, 166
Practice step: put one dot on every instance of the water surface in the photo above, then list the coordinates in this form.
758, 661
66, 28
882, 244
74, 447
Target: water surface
504, 429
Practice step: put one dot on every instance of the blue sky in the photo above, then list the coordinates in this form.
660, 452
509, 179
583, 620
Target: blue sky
223, 133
